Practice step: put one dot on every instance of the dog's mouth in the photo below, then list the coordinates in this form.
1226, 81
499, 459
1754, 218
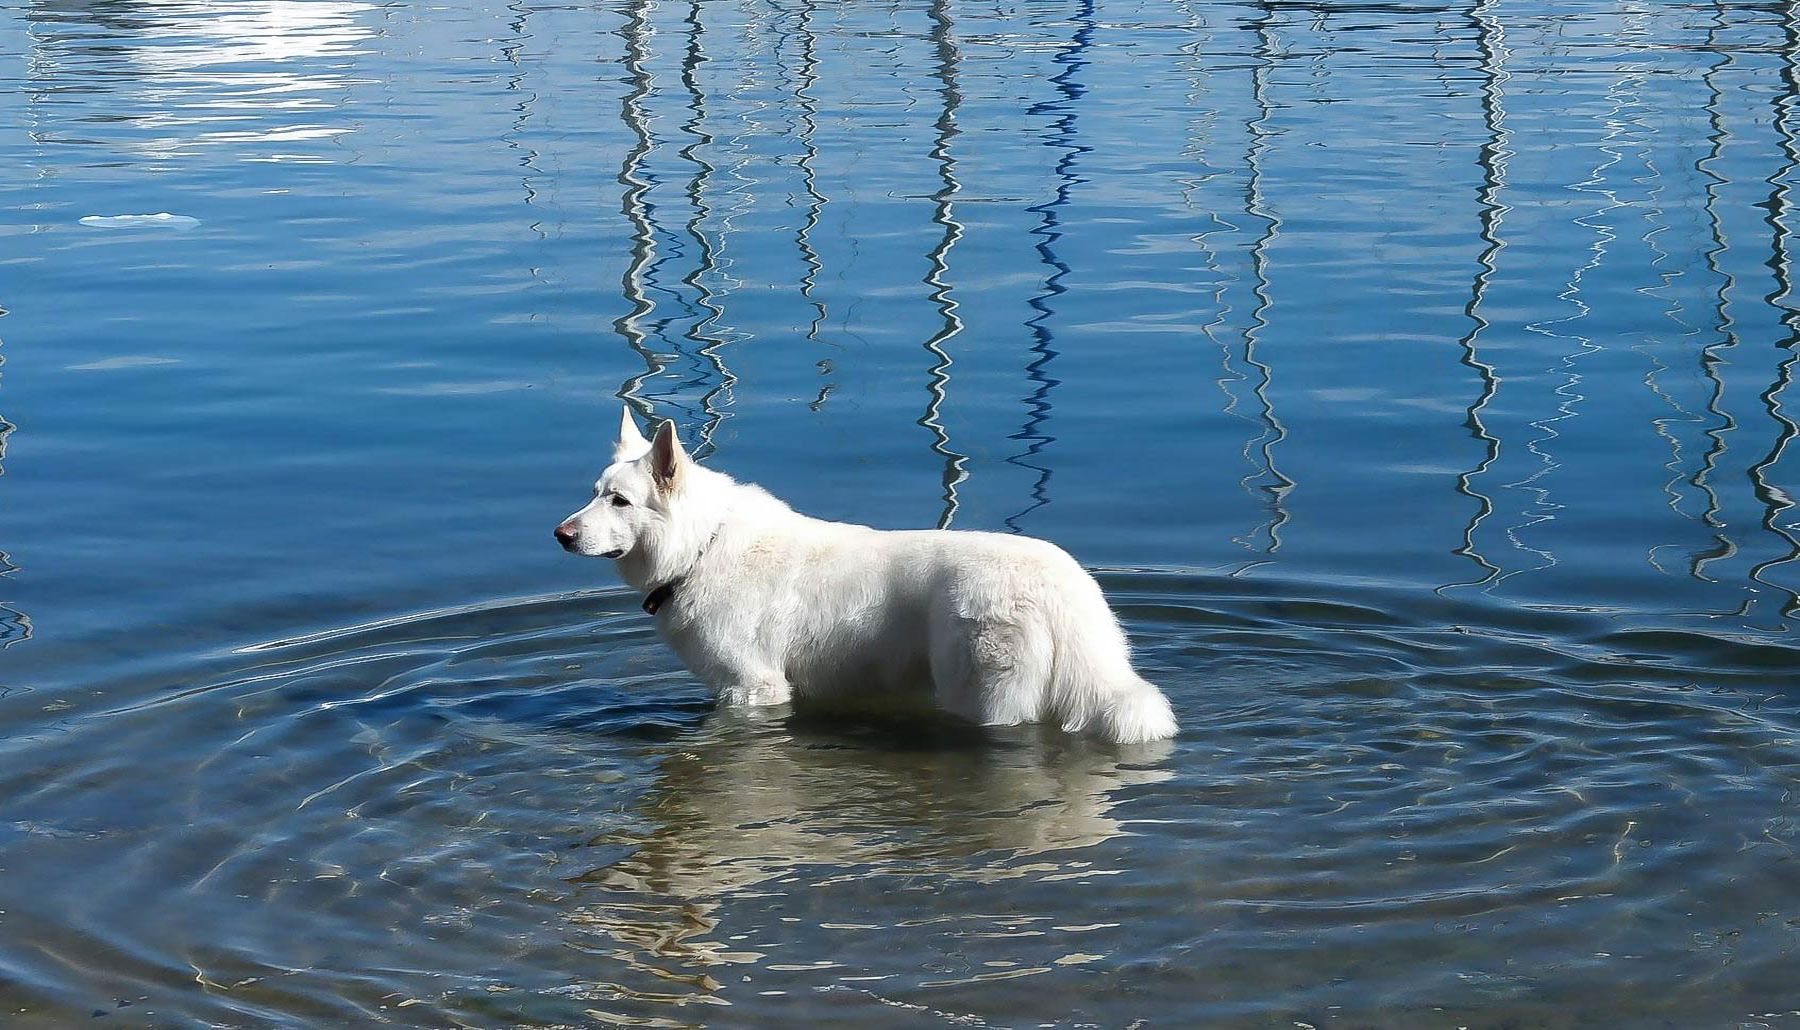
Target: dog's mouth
614, 553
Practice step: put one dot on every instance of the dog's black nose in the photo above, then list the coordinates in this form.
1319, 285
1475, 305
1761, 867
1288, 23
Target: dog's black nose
565, 534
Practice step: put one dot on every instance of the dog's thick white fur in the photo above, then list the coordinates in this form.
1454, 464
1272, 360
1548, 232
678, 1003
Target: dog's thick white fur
767, 605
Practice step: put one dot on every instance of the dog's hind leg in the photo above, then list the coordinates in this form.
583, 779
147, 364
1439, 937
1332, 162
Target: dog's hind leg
989, 670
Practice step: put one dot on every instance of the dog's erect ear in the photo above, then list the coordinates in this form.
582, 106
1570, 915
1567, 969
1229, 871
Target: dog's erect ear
631, 442
666, 456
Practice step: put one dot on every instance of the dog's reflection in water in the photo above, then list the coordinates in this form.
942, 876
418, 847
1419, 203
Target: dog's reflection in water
756, 808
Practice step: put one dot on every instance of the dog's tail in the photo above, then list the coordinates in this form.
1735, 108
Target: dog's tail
1095, 688
1138, 712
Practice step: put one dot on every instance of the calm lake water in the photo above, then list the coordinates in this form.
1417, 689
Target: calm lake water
1416, 378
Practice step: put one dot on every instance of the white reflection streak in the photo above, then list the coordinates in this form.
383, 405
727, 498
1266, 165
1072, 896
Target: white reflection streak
1201, 130
193, 53
1623, 94
1666, 272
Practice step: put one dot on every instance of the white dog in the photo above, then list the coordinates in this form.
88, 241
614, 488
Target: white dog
767, 605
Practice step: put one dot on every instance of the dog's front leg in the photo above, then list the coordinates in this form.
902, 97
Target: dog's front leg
755, 691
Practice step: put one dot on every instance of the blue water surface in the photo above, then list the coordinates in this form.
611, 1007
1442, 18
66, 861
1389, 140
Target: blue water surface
1415, 378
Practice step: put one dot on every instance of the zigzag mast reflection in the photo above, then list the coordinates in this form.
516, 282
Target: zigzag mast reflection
636, 208
1775, 500
1712, 355
1048, 232
1622, 94
14, 624
944, 215
809, 180
1255, 204
1210, 255
707, 250
520, 26
1490, 43
641, 278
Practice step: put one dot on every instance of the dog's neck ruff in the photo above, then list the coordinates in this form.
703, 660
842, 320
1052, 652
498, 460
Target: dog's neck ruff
660, 596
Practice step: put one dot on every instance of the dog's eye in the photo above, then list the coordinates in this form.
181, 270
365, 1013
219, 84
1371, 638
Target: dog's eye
620, 502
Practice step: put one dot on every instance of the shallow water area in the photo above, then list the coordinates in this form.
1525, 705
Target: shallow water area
520, 813
1414, 378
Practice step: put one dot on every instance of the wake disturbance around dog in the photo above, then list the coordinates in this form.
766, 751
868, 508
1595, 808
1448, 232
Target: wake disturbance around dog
767, 606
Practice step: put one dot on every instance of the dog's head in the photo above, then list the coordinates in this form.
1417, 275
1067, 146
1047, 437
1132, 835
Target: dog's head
633, 500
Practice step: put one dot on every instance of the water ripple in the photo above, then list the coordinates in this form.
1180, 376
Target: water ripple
536, 780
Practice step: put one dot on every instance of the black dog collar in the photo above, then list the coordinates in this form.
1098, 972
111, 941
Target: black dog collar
659, 597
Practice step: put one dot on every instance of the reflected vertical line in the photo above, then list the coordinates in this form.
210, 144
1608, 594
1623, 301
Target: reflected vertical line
37, 69
1777, 501
706, 251
809, 179
636, 208
944, 215
6, 430
6, 427
1712, 355
14, 625
1667, 273
1229, 375
1544, 508
1491, 157
1277, 485
515, 83
1062, 137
